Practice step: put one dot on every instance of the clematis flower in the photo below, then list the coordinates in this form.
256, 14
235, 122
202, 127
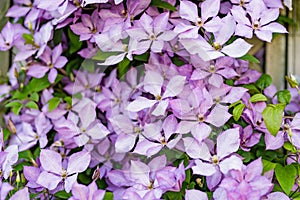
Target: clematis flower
195, 194
153, 83
217, 48
221, 162
90, 192
151, 33
52, 61
11, 35
208, 19
89, 27
55, 171
195, 113
291, 129
158, 135
5, 188
246, 183
21, 194
9, 159
261, 21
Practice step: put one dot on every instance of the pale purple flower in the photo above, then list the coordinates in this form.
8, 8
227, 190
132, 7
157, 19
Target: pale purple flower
158, 136
11, 35
151, 33
222, 161
195, 113
249, 138
195, 194
261, 21
246, 183
4, 91
55, 171
52, 60
208, 19
153, 84
90, 192
11, 158
292, 130
4, 189
218, 48
89, 27
22, 194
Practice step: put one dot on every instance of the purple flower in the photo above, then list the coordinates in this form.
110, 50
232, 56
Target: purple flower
261, 21
91, 192
9, 159
222, 161
52, 61
4, 189
55, 171
195, 194
89, 27
151, 33
246, 183
11, 35
292, 130
208, 20
21, 194
153, 84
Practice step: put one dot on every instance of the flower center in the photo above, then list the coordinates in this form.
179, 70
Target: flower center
137, 130
215, 159
124, 13
212, 68
158, 97
199, 22
125, 47
256, 25
200, 118
163, 141
217, 100
64, 174
217, 46
152, 37
150, 186
242, 2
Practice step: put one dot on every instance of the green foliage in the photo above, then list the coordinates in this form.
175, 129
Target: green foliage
75, 44
272, 116
53, 103
237, 111
123, 67
250, 58
163, 4
62, 195
284, 96
108, 196
28, 38
286, 177
268, 165
264, 81
258, 97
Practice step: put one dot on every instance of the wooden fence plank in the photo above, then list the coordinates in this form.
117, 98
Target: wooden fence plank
4, 56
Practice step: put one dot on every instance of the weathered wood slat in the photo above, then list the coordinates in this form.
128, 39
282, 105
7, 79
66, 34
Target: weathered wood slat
4, 56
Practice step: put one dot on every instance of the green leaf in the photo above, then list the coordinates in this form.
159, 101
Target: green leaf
272, 116
35, 97
62, 195
123, 67
286, 177
53, 103
75, 44
237, 111
28, 38
102, 56
177, 61
288, 146
108, 196
68, 100
38, 84
235, 103
250, 58
32, 104
264, 81
257, 98
252, 88
173, 196
162, 4
143, 58
13, 104
27, 155
284, 96
268, 165
84, 178
16, 107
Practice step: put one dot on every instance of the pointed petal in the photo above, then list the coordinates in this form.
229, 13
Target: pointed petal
237, 49
228, 142
51, 161
140, 103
